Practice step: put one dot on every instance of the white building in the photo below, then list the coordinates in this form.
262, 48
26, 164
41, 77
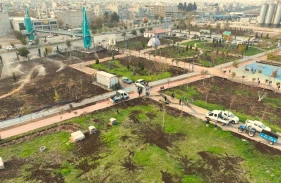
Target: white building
5, 26
160, 33
38, 24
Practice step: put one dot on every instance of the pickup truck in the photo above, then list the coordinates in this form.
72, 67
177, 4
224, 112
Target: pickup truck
217, 116
120, 95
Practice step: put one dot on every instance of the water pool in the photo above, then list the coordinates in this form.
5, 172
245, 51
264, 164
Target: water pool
266, 69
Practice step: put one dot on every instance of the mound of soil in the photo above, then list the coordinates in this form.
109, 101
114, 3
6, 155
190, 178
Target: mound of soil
12, 168
169, 178
154, 135
151, 115
134, 116
259, 146
45, 174
128, 165
90, 146
85, 167
215, 168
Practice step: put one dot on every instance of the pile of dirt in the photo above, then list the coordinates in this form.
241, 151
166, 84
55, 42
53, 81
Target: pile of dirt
90, 146
128, 165
154, 135
215, 168
134, 116
259, 146
151, 115
85, 167
12, 168
45, 173
169, 178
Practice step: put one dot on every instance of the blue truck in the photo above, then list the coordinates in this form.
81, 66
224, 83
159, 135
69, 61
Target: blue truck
272, 138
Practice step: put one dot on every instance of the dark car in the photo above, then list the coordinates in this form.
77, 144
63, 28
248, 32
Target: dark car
126, 80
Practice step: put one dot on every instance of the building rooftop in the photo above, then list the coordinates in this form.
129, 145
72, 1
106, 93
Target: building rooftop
158, 31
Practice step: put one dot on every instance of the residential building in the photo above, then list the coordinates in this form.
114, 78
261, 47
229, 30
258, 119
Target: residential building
5, 26
157, 10
38, 24
160, 33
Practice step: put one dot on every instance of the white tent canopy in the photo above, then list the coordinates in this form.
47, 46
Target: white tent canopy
154, 41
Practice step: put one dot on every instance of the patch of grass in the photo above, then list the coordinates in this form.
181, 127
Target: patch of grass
122, 71
252, 51
175, 52
54, 141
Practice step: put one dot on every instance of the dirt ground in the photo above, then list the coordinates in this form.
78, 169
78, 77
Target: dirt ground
39, 92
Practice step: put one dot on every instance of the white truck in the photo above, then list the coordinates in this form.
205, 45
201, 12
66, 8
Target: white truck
256, 125
120, 95
217, 116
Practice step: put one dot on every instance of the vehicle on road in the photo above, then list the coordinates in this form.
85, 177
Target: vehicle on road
243, 128
140, 82
50, 36
10, 48
269, 136
120, 95
217, 116
126, 80
257, 125
230, 115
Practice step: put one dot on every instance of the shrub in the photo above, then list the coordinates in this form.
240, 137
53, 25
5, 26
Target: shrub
97, 61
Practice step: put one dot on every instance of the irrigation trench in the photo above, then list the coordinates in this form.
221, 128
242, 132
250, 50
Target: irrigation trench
10, 128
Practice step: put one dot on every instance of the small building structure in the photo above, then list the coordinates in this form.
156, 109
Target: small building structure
77, 136
160, 33
1, 164
106, 79
92, 129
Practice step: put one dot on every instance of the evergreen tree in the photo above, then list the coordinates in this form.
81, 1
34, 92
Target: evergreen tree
194, 7
184, 6
189, 7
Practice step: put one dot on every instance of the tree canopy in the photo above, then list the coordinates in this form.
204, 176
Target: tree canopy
188, 8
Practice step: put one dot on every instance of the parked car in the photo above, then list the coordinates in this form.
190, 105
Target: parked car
50, 36
257, 125
217, 116
230, 115
120, 95
126, 80
140, 82
209, 37
10, 48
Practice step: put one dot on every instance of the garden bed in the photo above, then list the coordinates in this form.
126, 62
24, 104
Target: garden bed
140, 147
143, 68
46, 77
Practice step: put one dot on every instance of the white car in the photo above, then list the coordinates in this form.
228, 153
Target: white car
10, 48
50, 36
217, 116
140, 82
230, 115
257, 125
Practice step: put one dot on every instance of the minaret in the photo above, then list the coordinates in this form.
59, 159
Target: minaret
86, 31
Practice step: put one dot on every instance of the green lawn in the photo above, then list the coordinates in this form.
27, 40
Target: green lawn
252, 51
122, 71
188, 137
174, 52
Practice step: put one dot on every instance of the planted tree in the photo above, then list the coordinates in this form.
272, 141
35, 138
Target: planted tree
97, 61
204, 73
261, 95
68, 44
23, 52
241, 49
56, 96
14, 77
134, 32
39, 52
235, 64
1, 59
233, 74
